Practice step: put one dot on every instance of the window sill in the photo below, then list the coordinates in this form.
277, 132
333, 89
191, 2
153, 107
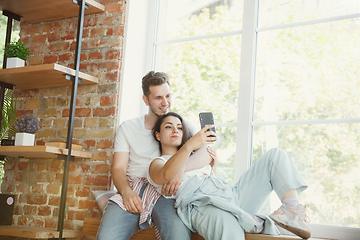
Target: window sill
332, 232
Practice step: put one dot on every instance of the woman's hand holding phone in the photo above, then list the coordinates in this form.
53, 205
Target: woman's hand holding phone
202, 138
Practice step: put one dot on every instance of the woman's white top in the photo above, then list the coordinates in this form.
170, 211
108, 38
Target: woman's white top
186, 176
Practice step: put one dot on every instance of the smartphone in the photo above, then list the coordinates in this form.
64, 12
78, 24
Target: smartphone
206, 118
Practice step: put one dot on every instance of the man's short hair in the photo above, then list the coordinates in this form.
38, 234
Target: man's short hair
153, 79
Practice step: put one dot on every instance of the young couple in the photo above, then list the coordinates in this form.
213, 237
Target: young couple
207, 205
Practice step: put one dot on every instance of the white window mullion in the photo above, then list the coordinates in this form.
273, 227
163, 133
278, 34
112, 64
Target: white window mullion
307, 122
155, 35
310, 22
246, 88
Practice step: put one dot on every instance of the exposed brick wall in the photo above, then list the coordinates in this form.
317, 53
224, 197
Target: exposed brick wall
37, 182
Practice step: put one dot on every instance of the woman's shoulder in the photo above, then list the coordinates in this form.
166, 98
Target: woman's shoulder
164, 158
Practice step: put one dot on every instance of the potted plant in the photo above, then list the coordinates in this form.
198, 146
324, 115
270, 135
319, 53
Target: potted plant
16, 54
26, 126
7, 130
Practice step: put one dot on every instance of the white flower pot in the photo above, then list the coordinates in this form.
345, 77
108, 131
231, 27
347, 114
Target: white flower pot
15, 62
24, 139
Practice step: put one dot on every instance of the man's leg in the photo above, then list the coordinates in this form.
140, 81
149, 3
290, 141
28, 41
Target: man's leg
167, 221
117, 224
272, 171
213, 223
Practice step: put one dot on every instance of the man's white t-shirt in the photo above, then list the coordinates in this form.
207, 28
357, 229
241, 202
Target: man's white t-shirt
132, 137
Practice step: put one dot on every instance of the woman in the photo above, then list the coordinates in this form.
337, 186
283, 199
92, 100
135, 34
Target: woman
211, 206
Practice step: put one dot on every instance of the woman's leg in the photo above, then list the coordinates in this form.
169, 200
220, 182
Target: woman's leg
275, 171
290, 194
213, 223
272, 171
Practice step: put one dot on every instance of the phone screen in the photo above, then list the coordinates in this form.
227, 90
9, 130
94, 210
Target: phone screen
206, 118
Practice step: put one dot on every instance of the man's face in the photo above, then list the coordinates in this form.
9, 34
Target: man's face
159, 100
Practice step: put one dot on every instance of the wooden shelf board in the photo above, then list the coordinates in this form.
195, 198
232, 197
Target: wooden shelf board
35, 11
42, 76
40, 152
36, 232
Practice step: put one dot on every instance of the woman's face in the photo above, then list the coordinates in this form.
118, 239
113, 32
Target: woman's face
171, 132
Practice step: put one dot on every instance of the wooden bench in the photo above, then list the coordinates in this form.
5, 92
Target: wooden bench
91, 226
36, 232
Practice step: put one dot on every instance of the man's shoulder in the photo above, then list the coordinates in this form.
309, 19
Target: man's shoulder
193, 128
133, 121
130, 125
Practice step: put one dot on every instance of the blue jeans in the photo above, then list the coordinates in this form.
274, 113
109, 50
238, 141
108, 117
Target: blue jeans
117, 224
272, 171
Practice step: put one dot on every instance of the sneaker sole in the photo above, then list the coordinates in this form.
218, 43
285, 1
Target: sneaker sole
301, 233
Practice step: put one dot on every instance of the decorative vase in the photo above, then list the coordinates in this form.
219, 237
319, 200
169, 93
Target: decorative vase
15, 62
24, 139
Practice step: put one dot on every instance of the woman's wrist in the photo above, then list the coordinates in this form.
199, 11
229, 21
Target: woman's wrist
187, 147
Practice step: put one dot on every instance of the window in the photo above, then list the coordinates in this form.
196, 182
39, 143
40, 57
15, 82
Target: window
305, 103
200, 48
275, 73
14, 34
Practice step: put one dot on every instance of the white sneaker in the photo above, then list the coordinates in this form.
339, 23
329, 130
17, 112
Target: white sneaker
293, 219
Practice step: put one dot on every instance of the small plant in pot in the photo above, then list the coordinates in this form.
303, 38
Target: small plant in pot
16, 54
7, 130
26, 126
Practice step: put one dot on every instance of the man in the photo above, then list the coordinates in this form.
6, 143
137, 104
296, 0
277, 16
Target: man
138, 202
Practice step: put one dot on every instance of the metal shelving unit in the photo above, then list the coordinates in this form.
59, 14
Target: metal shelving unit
38, 11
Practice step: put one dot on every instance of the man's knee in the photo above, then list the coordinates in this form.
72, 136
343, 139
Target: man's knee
170, 225
117, 224
167, 221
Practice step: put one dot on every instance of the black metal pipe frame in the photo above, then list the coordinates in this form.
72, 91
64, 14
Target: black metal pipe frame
75, 82
71, 116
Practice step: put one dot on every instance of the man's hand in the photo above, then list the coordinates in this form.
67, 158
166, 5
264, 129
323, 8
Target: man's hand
132, 202
169, 189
